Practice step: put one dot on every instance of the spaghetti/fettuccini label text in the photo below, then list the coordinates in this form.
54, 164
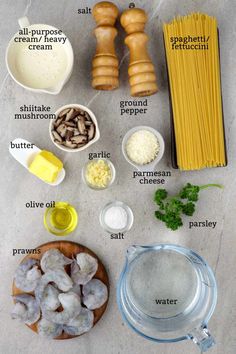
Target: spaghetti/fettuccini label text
190, 42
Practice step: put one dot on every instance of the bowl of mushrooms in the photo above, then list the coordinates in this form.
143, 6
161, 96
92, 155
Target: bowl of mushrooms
74, 129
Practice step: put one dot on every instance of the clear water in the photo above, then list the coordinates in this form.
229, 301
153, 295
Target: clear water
163, 284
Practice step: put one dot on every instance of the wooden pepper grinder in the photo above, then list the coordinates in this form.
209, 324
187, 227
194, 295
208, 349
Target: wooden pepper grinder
105, 64
141, 71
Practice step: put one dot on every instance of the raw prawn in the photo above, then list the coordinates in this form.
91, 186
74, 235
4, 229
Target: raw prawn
83, 270
50, 299
76, 289
27, 275
53, 259
49, 329
71, 304
80, 324
26, 309
95, 294
58, 277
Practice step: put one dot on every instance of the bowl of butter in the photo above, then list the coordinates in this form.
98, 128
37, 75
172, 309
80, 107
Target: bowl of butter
41, 163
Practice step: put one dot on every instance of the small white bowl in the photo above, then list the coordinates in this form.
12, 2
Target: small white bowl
149, 166
130, 217
94, 119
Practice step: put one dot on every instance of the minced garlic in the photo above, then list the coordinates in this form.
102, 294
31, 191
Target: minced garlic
98, 174
142, 147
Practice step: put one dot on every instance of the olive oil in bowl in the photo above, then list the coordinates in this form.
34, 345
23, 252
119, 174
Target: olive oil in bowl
61, 220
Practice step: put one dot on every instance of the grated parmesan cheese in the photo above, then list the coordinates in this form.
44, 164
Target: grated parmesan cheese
142, 147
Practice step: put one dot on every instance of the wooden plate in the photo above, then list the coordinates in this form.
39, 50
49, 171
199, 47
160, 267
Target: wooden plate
69, 249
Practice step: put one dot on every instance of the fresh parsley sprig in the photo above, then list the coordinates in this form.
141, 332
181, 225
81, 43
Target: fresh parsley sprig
171, 208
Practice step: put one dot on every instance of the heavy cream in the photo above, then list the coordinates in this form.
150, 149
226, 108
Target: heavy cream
41, 69
40, 57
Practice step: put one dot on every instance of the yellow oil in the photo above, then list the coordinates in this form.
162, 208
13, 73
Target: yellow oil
61, 220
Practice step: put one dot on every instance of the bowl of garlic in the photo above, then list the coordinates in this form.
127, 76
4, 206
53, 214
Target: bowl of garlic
143, 147
99, 174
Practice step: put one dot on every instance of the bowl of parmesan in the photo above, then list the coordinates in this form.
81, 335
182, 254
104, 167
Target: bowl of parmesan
143, 147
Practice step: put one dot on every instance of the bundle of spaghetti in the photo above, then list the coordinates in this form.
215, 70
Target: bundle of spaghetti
192, 54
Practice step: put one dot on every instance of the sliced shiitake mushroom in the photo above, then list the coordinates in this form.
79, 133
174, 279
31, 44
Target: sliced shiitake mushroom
76, 133
69, 134
81, 126
81, 112
69, 144
80, 139
71, 114
56, 136
58, 122
70, 124
62, 130
63, 112
73, 128
87, 116
91, 132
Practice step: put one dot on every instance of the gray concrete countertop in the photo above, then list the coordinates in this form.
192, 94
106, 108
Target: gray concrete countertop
23, 228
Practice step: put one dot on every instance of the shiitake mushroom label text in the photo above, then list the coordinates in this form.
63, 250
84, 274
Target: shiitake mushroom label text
133, 108
34, 112
148, 177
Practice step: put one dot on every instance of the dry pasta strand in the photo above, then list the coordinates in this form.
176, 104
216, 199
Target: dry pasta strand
195, 88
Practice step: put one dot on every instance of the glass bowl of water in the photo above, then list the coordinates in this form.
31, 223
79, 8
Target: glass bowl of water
167, 293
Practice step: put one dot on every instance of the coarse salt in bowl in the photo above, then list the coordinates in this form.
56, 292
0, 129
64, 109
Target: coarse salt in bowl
116, 217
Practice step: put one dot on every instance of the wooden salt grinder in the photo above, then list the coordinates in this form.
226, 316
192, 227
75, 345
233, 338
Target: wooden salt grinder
141, 71
105, 64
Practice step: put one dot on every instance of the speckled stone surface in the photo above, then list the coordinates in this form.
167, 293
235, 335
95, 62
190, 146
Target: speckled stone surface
23, 228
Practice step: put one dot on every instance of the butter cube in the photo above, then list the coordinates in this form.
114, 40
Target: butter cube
46, 166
